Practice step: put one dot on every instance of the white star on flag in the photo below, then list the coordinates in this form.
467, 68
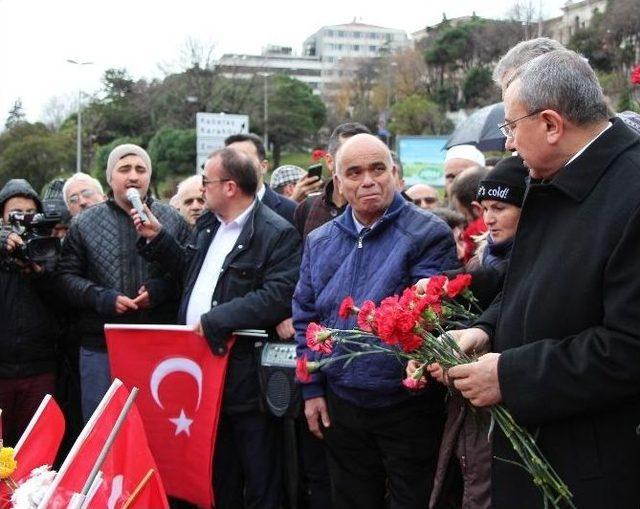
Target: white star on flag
183, 423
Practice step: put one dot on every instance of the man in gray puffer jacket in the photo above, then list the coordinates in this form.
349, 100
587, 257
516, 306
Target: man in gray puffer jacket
101, 273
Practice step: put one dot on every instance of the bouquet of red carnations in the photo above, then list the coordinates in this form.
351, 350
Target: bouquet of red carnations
414, 326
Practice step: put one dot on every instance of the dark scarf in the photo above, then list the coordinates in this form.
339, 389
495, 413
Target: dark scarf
496, 254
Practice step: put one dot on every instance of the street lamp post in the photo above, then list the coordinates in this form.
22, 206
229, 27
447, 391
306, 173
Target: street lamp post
266, 75
79, 133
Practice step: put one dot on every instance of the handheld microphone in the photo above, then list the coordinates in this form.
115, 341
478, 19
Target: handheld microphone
134, 197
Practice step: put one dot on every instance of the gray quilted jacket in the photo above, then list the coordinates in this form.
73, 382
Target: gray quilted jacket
99, 262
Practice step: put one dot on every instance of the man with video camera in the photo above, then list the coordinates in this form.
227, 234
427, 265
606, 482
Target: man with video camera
28, 325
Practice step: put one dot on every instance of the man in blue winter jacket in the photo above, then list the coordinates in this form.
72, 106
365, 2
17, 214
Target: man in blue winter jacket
381, 439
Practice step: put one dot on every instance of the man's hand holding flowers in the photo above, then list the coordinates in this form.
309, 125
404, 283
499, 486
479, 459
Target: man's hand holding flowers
478, 381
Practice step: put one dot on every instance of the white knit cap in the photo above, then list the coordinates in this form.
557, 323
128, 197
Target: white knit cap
468, 152
125, 150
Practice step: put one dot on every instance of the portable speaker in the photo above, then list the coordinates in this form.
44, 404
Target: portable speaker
277, 374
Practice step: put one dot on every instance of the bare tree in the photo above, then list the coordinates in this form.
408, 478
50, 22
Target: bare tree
58, 109
526, 12
193, 54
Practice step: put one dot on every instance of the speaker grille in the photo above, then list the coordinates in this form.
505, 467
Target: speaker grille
278, 393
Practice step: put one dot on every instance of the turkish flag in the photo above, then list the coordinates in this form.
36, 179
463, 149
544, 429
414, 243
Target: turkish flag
127, 472
75, 470
181, 384
39, 443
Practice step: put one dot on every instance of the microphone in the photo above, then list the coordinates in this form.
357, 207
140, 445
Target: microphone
134, 197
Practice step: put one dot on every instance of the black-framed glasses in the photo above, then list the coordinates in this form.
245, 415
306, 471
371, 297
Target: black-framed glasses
507, 127
206, 181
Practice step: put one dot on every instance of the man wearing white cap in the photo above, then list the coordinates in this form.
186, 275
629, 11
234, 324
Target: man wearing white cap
101, 274
458, 159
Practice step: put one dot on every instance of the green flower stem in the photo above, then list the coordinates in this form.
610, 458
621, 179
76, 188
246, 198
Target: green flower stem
444, 350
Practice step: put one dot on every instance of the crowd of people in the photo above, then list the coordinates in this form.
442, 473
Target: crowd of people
550, 236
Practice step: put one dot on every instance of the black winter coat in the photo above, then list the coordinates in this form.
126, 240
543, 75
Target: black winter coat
99, 262
254, 289
29, 328
568, 327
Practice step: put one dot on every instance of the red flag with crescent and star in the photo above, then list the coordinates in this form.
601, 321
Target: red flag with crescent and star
77, 468
181, 384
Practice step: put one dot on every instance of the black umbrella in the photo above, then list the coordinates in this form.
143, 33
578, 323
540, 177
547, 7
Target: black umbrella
481, 129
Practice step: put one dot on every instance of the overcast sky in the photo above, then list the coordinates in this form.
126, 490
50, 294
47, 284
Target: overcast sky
38, 36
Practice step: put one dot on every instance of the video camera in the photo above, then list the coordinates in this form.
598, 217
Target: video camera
35, 230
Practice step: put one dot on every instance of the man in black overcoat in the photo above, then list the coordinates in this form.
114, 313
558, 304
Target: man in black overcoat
565, 332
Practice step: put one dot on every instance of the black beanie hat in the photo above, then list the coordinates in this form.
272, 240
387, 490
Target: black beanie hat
507, 182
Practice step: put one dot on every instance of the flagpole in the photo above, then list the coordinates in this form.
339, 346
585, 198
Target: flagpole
112, 436
32, 423
139, 488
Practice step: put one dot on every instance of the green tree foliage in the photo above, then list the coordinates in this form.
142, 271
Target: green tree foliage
124, 111
173, 152
417, 115
477, 87
454, 51
295, 114
591, 42
33, 152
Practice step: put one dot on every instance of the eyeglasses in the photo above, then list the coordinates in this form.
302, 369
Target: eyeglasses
74, 199
206, 181
507, 127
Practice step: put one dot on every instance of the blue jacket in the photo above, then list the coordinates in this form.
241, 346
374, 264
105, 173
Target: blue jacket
405, 245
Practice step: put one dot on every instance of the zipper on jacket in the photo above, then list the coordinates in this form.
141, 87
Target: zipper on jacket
363, 232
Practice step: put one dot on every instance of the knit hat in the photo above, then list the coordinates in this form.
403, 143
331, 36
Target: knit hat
287, 174
468, 152
18, 187
507, 182
125, 150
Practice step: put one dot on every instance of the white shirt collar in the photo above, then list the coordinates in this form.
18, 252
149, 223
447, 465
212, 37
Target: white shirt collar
260, 193
579, 153
360, 226
240, 220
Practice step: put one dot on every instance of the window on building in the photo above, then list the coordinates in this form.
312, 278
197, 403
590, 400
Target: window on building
356, 35
330, 33
356, 47
340, 33
373, 48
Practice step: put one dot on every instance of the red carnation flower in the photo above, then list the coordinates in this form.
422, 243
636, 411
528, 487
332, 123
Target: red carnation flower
410, 342
347, 308
367, 316
635, 75
385, 319
435, 286
458, 284
319, 338
302, 370
414, 385
318, 154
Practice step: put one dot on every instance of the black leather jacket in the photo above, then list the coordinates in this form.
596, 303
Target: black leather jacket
254, 289
99, 262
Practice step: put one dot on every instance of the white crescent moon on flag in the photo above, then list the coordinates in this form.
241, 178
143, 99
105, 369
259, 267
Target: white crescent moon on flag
175, 365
